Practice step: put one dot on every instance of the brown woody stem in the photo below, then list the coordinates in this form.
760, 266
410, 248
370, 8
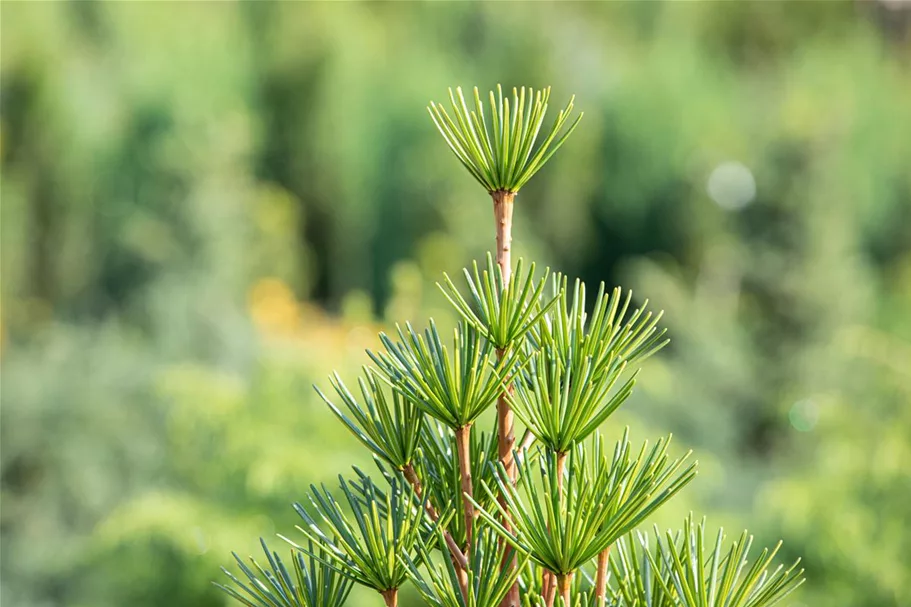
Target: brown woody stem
561, 468
506, 438
601, 577
463, 447
564, 582
548, 588
549, 580
457, 556
391, 597
462, 574
505, 431
502, 212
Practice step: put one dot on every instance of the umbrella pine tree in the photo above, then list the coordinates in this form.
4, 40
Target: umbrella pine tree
481, 519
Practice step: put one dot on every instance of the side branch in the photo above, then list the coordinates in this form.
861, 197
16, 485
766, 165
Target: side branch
463, 447
561, 469
457, 555
391, 597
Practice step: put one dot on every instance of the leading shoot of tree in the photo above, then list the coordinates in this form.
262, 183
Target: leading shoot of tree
481, 519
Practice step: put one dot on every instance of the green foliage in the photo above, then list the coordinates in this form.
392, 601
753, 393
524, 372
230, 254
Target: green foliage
453, 388
502, 156
370, 551
563, 523
704, 576
580, 599
505, 313
562, 405
440, 468
635, 581
488, 580
311, 584
566, 392
605, 336
389, 431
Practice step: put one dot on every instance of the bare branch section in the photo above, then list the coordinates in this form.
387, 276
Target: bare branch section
457, 554
463, 447
502, 207
503, 202
391, 597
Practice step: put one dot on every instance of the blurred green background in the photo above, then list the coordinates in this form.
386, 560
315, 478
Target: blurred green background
207, 207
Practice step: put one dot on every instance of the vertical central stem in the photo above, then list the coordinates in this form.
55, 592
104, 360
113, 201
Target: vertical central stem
506, 433
564, 582
391, 597
548, 579
463, 447
502, 212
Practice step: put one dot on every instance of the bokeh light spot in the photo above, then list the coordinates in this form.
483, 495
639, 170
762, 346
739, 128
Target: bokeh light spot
732, 186
803, 415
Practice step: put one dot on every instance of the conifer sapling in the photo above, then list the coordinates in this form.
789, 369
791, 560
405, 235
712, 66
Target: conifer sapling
477, 519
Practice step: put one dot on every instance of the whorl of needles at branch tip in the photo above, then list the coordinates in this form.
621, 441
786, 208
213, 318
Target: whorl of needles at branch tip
501, 154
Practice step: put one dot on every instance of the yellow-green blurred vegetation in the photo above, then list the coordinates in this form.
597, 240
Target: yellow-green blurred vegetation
208, 207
